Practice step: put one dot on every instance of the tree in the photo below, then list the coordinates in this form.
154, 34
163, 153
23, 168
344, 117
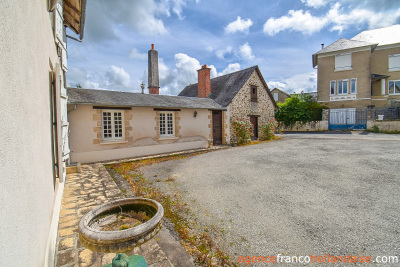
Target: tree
303, 108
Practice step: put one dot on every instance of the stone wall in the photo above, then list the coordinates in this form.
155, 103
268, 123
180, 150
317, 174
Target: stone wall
322, 125
241, 106
305, 127
384, 125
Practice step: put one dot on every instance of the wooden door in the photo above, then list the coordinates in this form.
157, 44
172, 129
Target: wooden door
254, 121
217, 127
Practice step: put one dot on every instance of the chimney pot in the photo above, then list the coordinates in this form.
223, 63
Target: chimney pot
152, 46
322, 45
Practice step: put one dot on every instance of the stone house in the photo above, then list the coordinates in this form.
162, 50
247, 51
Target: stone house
244, 94
34, 148
279, 95
109, 125
360, 72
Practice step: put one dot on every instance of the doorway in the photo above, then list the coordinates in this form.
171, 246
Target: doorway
217, 127
254, 121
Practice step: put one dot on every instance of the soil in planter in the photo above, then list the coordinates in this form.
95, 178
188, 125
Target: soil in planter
122, 221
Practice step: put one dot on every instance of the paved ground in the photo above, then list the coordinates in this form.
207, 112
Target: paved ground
304, 194
84, 191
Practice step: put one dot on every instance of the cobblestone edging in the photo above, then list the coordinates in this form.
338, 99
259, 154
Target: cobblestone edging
84, 191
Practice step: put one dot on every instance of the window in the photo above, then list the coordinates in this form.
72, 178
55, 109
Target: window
112, 122
353, 86
276, 96
343, 62
343, 87
394, 62
167, 124
394, 87
253, 92
333, 87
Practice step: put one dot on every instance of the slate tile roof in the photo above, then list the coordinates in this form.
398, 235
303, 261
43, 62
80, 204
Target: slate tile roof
225, 87
127, 99
343, 44
382, 36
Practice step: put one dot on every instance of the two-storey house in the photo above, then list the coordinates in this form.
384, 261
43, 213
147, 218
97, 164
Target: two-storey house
360, 72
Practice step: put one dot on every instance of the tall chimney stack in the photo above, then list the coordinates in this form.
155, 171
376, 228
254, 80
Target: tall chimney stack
204, 82
153, 81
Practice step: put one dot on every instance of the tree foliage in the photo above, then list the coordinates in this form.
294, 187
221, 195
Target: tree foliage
303, 108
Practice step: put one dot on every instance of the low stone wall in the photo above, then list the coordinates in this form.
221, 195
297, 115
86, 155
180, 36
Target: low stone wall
309, 126
384, 125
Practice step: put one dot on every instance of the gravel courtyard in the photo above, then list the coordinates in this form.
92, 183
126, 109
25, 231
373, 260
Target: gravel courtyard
301, 195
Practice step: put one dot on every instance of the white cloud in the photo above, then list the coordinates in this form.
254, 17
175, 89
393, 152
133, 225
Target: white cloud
245, 52
295, 21
336, 18
276, 84
118, 78
239, 25
222, 52
135, 54
316, 3
304, 82
231, 68
105, 18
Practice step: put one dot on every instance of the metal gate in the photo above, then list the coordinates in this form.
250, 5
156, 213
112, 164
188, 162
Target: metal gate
347, 118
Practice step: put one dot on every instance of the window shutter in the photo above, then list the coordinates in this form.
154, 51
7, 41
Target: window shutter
394, 62
343, 62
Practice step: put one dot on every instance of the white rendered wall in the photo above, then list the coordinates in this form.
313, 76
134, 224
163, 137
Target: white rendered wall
193, 133
27, 52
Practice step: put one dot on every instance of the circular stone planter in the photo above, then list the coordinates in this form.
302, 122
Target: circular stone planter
92, 238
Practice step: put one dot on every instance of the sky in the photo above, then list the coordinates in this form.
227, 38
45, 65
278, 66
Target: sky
279, 36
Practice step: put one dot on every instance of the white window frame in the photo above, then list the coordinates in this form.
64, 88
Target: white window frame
338, 87
394, 89
351, 86
166, 133
340, 58
113, 133
334, 88
394, 62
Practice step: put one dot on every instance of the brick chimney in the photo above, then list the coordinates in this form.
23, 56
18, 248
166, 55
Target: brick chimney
204, 82
153, 81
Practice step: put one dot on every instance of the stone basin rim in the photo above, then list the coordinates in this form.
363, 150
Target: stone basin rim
97, 235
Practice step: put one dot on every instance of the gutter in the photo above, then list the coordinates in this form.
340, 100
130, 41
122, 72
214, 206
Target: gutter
72, 109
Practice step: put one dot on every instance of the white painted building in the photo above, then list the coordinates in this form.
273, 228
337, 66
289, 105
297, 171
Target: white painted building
33, 126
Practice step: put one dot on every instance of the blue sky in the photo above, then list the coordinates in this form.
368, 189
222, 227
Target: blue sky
279, 36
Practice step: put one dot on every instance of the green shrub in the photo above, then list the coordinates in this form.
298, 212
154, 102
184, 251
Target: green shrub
303, 108
268, 130
243, 130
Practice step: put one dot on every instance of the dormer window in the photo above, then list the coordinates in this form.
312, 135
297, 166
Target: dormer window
253, 93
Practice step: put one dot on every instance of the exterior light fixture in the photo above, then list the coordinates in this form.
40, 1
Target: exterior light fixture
142, 86
195, 114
